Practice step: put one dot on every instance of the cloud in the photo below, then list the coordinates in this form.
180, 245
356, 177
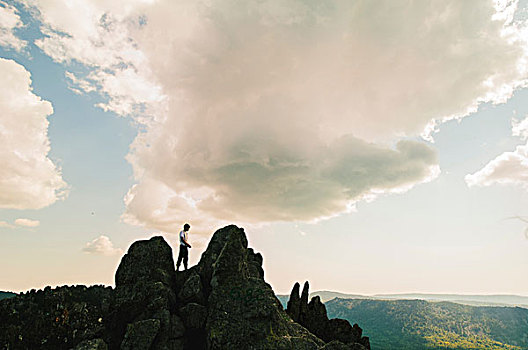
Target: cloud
284, 110
98, 36
102, 246
520, 128
284, 187
27, 222
28, 178
509, 167
6, 224
9, 22
20, 222
80, 85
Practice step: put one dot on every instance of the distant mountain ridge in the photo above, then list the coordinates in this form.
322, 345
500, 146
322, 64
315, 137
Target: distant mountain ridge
482, 300
464, 299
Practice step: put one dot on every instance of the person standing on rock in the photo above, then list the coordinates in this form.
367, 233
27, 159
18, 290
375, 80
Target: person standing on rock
184, 253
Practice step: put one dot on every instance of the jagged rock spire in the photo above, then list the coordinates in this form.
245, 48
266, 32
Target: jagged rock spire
304, 295
294, 303
313, 316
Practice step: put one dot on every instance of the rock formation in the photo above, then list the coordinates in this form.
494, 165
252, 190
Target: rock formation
223, 302
313, 316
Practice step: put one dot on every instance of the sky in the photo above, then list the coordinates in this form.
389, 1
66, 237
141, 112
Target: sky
367, 147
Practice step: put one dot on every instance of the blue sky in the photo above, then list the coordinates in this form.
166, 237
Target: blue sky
274, 142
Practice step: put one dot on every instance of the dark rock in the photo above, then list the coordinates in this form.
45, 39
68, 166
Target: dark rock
177, 328
163, 338
193, 315
358, 332
365, 341
141, 334
92, 344
243, 310
144, 290
303, 304
294, 303
313, 316
255, 263
149, 261
177, 344
316, 319
192, 290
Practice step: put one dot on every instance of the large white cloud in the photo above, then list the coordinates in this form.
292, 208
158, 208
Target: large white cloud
245, 186
284, 110
28, 178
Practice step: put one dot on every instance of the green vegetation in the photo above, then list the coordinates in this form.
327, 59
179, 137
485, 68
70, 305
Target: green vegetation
5, 295
419, 324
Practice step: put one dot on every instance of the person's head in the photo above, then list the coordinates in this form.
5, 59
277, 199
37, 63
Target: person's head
186, 227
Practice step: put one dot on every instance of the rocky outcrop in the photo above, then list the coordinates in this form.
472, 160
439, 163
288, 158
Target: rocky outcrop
144, 298
312, 315
243, 311
221, 303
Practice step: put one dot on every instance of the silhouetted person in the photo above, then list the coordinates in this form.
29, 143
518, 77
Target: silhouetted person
184, 245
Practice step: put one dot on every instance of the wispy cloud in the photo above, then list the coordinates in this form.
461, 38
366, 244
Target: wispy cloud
102, 246
6, 224
9, 22
20, 222
27, 222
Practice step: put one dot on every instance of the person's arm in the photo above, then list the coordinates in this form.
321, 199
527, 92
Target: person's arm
185, 241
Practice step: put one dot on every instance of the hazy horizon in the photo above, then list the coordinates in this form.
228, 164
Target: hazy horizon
372, 148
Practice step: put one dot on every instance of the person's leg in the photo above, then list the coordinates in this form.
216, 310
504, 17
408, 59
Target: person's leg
180, 257
185, 257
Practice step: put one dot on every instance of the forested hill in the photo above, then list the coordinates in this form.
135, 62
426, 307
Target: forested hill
4, 295
419, 324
